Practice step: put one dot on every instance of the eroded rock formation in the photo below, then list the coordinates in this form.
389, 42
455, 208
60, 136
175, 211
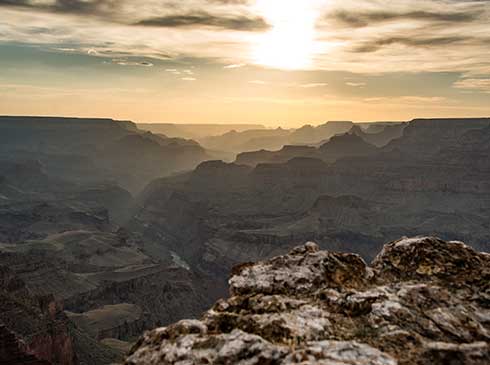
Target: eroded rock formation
421, 301
32, 327
14, 351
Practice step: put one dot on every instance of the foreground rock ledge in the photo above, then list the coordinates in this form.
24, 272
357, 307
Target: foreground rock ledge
422, 301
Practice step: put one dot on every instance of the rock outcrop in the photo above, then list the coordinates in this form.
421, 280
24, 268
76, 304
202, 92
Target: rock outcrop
14, 351
35, 330
421, 301
32, 327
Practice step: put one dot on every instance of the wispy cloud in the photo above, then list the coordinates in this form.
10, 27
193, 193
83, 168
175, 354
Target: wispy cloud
258, 82
355, 84
203, 19
82, 7
123, 62
235, 65
482, 84
313, 85
407, 100
422, 42
355, 18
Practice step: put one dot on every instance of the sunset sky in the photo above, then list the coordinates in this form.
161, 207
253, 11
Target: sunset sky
275, 62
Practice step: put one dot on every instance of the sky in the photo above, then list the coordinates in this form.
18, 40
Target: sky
274, 62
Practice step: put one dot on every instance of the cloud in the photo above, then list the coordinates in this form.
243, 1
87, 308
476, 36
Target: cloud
482, 84
258, 82
235, 65
355, 18
186, 72
65, 49
378, 36
234, 2
375, 44
66, 6
407, 100
196, 19
123, 62
313, 85
188, 79
118, 11
356, 84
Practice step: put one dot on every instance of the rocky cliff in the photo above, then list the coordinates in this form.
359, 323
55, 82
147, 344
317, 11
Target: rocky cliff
421, 301
34, 329
38, 324
14, 351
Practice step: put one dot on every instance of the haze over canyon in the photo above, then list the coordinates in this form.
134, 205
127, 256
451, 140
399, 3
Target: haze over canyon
108, 229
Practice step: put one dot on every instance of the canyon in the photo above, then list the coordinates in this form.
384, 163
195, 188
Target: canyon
108, 230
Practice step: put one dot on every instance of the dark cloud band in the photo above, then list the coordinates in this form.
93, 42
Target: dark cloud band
374, 45
241, 22
363, 19
109, 9
96, 7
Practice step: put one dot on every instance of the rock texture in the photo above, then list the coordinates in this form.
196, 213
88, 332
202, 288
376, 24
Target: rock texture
38, 324
14, 351
35, 330
421, 301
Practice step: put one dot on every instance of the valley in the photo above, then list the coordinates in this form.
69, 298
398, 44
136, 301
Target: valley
101, 244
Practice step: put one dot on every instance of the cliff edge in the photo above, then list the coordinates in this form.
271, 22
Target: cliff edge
421, 301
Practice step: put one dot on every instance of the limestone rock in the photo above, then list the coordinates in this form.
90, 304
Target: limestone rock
422, 301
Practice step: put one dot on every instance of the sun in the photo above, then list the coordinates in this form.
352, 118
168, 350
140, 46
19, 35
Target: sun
290, 43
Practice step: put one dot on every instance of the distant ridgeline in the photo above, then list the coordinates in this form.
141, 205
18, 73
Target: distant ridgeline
258, 139
196, 131
96, 150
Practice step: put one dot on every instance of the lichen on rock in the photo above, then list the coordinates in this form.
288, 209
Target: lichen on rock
422, 301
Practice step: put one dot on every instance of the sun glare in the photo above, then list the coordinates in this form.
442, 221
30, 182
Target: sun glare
290, 43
